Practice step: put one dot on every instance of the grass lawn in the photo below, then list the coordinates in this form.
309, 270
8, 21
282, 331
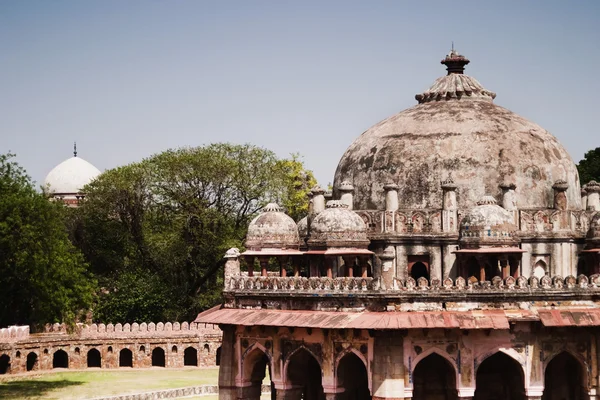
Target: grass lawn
70, 385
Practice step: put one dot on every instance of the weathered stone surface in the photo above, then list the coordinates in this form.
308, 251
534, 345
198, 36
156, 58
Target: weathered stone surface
483, 145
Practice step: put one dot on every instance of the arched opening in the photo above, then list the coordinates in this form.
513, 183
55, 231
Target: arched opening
158, 357
4, 364
304, 374
352, 376
255, 366
125, 358
190, 357
419, 270
32, 361
499, 377
174, 349
60, 359
218, 357
434, 378
94, 359
207, 348
564, 379
539, 270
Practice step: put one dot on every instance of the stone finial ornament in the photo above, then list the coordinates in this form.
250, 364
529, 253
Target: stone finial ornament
233, 252
316, 190
560, 185
455, 85
346, 186
448, 183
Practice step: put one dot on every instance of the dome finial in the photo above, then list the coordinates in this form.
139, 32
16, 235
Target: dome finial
455, 62
74, 149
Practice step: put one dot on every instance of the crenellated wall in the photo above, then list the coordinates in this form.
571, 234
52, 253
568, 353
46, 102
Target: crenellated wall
170, 345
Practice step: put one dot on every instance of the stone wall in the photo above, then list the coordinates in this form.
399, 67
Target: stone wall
170, 345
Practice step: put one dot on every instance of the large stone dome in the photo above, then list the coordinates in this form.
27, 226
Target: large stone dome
456, 129
70, 176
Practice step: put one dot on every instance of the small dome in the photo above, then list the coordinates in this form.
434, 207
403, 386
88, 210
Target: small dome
70, 176
272, 229
488, 222
338, 226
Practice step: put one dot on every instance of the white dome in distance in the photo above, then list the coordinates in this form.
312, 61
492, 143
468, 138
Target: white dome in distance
70, 176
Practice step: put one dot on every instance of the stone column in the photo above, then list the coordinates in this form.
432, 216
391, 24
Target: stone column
364, 266
583, 198
288, 394
349, 263
283, 261
329, 261
346, 189
232, 265
391, 197
560, 196
504, 266
264, 263
229, 364
250, 264
387, 268
388, 372
449, 206
593, 196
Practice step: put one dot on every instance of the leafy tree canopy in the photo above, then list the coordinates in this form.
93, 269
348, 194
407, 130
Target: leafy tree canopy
155, 231
43, 277
589, 167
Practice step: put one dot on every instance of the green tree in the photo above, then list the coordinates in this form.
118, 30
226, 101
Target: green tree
589, 167
172, 217
42, 275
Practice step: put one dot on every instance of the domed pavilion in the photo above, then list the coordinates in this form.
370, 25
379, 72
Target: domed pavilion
458, 259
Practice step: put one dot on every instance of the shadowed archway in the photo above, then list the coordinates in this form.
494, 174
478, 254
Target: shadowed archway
304, 374
352, 376
564, 379
60, 359
125, 358
500, 377
434, 378
32, 361
190, 356
158, 357
4, 364
256, 365
94, 359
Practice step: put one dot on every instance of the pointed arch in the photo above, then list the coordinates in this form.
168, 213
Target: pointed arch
125, 358
565, 376
4, 364
60, 359
289, 357
435, 375
158, 357
500, 375
351, 375
303, 372
94, 358
439, 352
32, 361
255, 357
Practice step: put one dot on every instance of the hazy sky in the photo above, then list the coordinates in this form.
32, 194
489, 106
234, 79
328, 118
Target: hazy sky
127, 79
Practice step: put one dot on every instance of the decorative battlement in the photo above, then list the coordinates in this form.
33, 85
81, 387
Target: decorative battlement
345, 285
14, 333
134, 329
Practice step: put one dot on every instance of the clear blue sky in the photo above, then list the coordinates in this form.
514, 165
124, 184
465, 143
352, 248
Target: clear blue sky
127, 79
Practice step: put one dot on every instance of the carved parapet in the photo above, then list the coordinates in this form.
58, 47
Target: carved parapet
350, 285
145, 329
